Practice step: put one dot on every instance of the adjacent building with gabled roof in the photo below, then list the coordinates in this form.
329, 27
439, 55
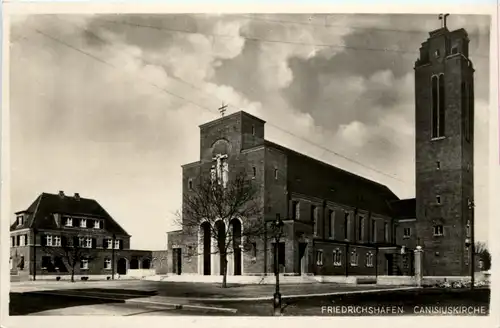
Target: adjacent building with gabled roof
57, 229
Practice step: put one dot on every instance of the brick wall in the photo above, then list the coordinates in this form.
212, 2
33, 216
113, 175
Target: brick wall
444, 255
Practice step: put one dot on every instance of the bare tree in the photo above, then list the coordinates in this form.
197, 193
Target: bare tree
484, 255
70, 250
219, 206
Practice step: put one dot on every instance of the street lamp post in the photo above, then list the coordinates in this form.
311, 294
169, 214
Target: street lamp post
113, 258
277, 227
34, 253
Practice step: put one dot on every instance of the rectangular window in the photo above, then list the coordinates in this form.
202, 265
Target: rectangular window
97, 224
107, 264
406, 233
438, 199
20, 220
22, 240
68, 222
117, 244
438, 230
369, 259
190, 184
109, 243
12, 242
319, 257
438, 165
88, 242
48, 240
296, 210
46, 261
386, 232
337, 258
83, 223
354, 258
57, 241
84, 264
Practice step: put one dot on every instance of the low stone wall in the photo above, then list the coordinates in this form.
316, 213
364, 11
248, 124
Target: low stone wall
396, 280
92, 277
140, 273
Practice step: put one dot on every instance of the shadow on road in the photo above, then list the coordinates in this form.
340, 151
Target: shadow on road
32, 302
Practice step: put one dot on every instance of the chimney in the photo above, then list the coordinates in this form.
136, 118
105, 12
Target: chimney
61, 193
77, 196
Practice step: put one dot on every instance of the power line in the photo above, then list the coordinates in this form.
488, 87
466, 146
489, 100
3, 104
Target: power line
208, 109
112, 66
269, 123
327, 25
263, 40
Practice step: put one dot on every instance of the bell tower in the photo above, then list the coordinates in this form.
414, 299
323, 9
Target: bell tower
444, 131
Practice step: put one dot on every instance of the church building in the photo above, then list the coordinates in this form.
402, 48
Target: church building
339, 223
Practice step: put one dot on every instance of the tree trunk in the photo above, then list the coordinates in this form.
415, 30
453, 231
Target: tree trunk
73, 272
224, 271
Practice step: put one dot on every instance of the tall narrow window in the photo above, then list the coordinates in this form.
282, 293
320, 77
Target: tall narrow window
471, 110
386, 232
361, 228
346, 225
374, 231
314, 219
275, 174
435, 120
442, 98
296, 210
465, 110
254, 172
253, 130
331, 219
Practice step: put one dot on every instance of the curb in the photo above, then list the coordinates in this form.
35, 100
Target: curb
268, 298
170, 306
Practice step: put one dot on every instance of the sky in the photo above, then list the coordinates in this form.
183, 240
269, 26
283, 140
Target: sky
109, 105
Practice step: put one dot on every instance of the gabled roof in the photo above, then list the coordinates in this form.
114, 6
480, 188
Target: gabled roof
405, 208
40, 213
348, 188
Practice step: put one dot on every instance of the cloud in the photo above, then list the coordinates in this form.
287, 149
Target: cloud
120, 135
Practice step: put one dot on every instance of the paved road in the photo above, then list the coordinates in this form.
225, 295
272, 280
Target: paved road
168, 298
41, 303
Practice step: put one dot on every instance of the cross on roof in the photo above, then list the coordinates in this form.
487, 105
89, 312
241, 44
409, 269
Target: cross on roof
222, 109
442, 18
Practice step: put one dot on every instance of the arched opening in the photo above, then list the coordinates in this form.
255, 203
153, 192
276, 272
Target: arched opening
146, 264
236, 226
206, 241
121, 267
134, 264
221, 243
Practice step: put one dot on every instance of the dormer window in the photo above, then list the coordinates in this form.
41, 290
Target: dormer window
83, 223
68, 222
20, 220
